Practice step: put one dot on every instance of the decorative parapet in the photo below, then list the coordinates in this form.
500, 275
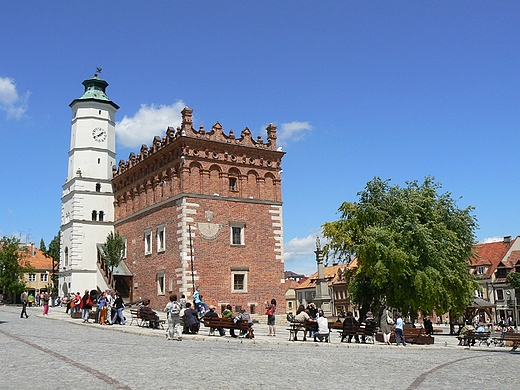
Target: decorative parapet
216, 134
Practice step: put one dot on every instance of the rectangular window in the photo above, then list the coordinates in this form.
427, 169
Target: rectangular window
160, 239
32, 277
124, 249
232, 183
44, 277
289, 304
500, 295
237, 233
148, 242
160, 282
239, 279
480, 270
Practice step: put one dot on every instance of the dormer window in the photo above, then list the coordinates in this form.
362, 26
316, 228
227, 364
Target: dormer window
480, 270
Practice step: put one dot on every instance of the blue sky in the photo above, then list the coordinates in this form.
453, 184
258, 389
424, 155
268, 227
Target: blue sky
395, 89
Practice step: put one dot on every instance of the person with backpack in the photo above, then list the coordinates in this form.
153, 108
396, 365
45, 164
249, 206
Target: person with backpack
173, 310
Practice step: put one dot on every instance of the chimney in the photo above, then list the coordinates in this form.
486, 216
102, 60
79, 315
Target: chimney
33, 252
507, 239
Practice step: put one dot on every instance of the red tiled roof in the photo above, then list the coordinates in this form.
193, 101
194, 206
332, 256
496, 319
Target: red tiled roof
331, 274
38, 261
490, 254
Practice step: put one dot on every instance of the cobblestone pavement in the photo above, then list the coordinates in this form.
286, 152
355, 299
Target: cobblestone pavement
57, 352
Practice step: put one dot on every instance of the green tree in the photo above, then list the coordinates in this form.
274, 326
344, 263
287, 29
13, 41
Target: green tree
54, 253
113, 252
513, 279
13, 265
412, 246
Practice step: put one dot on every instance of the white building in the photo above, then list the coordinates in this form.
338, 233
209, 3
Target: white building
87, 211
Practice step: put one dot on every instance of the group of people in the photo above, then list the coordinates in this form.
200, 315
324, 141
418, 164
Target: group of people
28, 299
185, 318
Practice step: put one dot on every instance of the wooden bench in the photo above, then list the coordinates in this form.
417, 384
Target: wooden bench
411, 335
307, 326
146, 318
135, 315
228, 323
470, 338
509, 337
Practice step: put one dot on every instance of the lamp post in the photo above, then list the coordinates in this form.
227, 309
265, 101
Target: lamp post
322, 299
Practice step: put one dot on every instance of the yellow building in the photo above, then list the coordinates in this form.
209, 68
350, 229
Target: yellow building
39, 279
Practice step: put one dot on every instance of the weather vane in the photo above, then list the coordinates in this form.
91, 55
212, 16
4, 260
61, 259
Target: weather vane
98, 71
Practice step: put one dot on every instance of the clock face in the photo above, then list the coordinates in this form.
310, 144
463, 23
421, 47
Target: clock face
99, 134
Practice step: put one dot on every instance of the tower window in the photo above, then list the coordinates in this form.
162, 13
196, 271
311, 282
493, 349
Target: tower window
237, 233
147, 242
239, 279
101, 215
160, 239
99, 112
98, 187
94, 215
232, 183
99, 161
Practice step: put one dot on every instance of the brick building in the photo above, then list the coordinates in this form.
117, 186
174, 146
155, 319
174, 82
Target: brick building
203, 208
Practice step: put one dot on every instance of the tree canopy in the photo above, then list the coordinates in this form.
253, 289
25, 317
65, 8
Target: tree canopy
53, 252
113, 252
412, 245
513, 279
13, 264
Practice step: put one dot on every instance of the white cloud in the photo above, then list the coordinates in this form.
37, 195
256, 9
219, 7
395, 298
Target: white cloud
10, 101
491, 239
293, 131
302, 248
148, 122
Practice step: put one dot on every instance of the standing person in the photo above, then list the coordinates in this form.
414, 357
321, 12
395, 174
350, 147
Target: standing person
386, 324
30, 299
271, 320
102, 307
119, 306
86, 305
196, 298
399, 334
25, 299
183, 301
37, 299
173, 310
45, 301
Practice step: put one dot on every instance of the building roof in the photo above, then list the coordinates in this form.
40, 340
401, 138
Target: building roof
333, 274
491, 254
37, 259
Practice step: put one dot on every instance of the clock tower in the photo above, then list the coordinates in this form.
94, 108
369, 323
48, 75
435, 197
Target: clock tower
87, 211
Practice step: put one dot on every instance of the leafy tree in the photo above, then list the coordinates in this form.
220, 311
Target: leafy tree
113, 252
513, 279
412, 245
54, 253
13, 265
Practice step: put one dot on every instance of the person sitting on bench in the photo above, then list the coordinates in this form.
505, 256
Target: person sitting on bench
212, 314
323, 327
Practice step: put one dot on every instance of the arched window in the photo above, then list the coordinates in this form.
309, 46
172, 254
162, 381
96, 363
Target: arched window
94, 215
101, 215
98, 187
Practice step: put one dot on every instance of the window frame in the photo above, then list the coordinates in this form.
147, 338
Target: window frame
44, 277
161, 276
241, 236
244, 273
148, 242
161, 243
31, 277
